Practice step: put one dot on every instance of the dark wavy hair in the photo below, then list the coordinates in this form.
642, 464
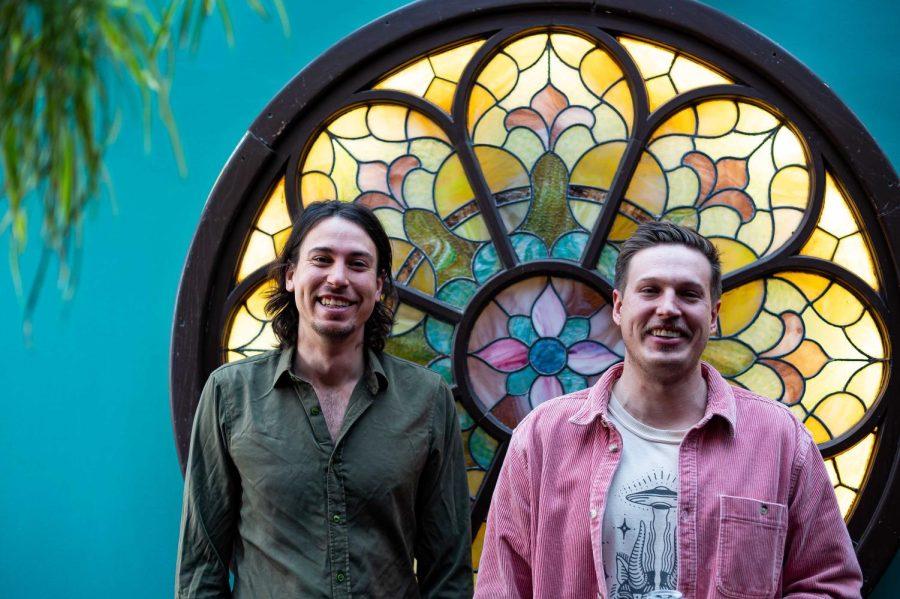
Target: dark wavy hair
281, 302
651, 233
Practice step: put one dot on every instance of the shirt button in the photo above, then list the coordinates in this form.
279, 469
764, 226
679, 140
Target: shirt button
593, 513
340, 577
336, 518
315, 411
613, 447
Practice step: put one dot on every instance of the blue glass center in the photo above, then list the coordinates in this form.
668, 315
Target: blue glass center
547, 356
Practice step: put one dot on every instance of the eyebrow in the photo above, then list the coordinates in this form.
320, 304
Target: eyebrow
329, 250
663, 280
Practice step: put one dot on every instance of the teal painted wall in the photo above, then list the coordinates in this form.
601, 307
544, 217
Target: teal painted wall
90, 489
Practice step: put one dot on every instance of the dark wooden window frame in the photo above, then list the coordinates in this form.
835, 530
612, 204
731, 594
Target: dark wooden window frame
276, 141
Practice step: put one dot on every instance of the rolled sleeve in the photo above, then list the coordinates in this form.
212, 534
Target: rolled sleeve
443, 537
819, 558
209, 513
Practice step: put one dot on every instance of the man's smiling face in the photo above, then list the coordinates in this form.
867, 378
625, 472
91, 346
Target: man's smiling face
334, 280
665, 311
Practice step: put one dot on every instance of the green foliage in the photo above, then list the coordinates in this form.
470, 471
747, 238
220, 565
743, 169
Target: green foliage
61, 61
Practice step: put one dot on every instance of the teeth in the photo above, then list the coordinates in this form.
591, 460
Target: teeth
333, 303
665, 333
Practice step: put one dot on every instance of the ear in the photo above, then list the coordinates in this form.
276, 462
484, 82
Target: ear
289, 278
714, 321
617, 307
380, 281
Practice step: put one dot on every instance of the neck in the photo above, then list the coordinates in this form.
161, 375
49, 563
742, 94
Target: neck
659, 403
328, 363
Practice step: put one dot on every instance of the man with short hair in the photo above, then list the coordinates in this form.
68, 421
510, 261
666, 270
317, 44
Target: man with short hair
326, 468
663, 476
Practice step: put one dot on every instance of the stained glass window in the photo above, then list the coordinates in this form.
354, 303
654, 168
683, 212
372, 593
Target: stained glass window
508, 165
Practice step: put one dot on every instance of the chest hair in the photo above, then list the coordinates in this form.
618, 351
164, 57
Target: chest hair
334, 402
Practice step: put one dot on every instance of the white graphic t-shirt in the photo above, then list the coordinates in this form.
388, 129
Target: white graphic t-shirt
639, 523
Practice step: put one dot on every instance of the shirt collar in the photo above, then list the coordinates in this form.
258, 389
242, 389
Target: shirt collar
373, 376
719, 398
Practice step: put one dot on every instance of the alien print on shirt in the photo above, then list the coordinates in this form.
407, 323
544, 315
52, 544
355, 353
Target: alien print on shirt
647, 531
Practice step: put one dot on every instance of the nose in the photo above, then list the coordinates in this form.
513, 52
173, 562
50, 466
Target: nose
337, 274
667, 304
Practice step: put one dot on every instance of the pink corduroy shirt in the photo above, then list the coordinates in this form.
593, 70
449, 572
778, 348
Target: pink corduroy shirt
757, 516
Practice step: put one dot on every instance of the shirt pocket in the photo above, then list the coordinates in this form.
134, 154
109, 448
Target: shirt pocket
750, 546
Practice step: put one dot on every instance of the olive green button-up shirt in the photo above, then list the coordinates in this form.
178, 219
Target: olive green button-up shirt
297, 515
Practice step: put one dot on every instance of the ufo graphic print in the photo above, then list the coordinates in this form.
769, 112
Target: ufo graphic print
644, 537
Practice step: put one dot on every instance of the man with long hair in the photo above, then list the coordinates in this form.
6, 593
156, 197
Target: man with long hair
326, 468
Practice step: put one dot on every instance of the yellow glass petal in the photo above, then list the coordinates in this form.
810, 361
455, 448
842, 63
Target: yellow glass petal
820, 245
450, 64
316, 187
609, 125
716, 117
839, 306
830, 337
281, 239
839, 412
527, 50
274, 216
659, 91
812, 285
732, 254
570, 48
478, 547
452, 188
754, 119
387, 121
392, 221
867, 383
787, 149
418, 125
719, 221
683, 122
648, 185
343, 178
440, 93
689, 74
763, 380
244, 329
598, 167
836, 218
852, 464
499, 76
413, 79
864, 335
740, 306
479, 101
258, 252
817, 430
501, 170
845, 498
320, 156
599, 71
854, 255
351, 124
619, 97
790, 187
256, 303
651, 60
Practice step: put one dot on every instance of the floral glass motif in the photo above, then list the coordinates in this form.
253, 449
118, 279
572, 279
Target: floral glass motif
838, 237
433, 77
549, 117
536, 340
806, 341
729, 169
269, 234
399, 163
249, 331
668, 73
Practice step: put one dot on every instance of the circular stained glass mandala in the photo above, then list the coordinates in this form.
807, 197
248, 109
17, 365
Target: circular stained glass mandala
508, 160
